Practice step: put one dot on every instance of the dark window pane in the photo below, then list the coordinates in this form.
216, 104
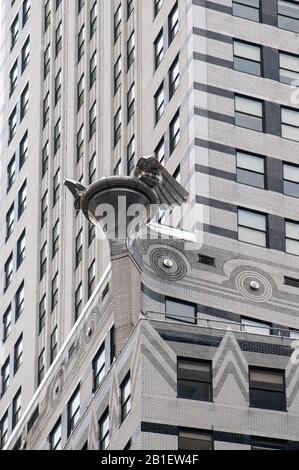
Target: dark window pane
247, 66
194, 390
180, 311
251, 178
267, 399
195, 441
291, 189
250, 122
246, 12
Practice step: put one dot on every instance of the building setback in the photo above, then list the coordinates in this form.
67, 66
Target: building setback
89, 87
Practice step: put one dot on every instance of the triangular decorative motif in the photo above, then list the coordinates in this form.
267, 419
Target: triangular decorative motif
230, 367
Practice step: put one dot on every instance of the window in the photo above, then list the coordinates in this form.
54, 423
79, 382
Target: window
131, 156
44, 209
159, 103
58, 84
131, 103
158, 5
292, 238
175, 132
290, 124
125, 397
54, 345
45, 159
159, 49
18, 354
55, 291
73, 410
7, 323
92, 170
11, 173
41, 367
4, 430
42, 314
21, 246
249, 113
22, 199
247, 58
23, 150
174, 77
58, 39
250, 170
117, 74
92, 120
13, 78
130, 8
288, 16
57, 136
8, 272
55, 239
160, 151
10, 221
47, 15
5, 377
12, 125
117, 127
248, 9
180, 311
288, 67
26, 11
130, 50
80, 93
91, 278
92, 70
16, 409
46, 109
56, 187
47, 62
14, 32
98, 368
78, 301
25, 54
252, 227
81, 43
267, 389
260, 443
104, 431
79, 248
55, 437
80, 143
291, 180
173, 23
195, 440
117, 23
93, 19
81, 3
194, 379
20, 301
24, 102
255, 327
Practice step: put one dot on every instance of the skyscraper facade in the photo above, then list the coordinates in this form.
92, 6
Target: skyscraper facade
209, 88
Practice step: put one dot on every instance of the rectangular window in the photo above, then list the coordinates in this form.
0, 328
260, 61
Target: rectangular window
267, 389
131, 156
104, 431
252, 227
16, 409
20, 301
13, 78
41, 367
3, 431
130, 50
93, 19
73, 411
260, 443
47, 62
117, 127
55, 239
78, 301
44, 209
18, 354
194, 379
255, 327
117, 74
159, 103
174, 77
288, 67
25, 55
11, 173
91, 279
14, 32
56, 187
22, 199
56, 436
291, 180
80, 143
195, 440
10, 221
159, 49
290, 124
8, 269
251, 170
7, 319
92, 70
79, 248
92, 120
98, 367
42, 314
125, 397
24, 102
157, 6
5, 377
248, 9
180, 311
55, 289
23, 150
57, 136
58, 39
288, 16
92, 169
80, 93
160, 151
12, 125
175, 132
81, 43
131, 103
249, 113
54, 345
173, 23
47, 15
292, 238
247, 58
117, 23
58, 85
21, 247
26, 11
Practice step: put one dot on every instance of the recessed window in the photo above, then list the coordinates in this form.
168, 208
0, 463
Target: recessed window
117, 23
195, 440
159, 103
92, 120
55, 289
91, 278
104, 431
54, 345
21, 247
24, 102
78, 301
16, 409
255, 327
194, 379
41, 367
290, 124
125, 397
13, 78
92, 70
288, 67
12, 125
291, 180
131, 103
249, 113
260, 443
292, 238
11, 173
8, 270
23, 150
58, 39
267, 389
73, 411
251, 170
57, 136
180, 311
173, 23
93, 19
252, 227
58, 86
99, 367
288, 16
7, 319
117, 74
248, 9
130, 50
5, 377
79, 248
247, 58
20, 300
117, 127
25, 54
18, 354
159, 49
10, 221
160, 151
175, 132
174, 77
14, 32
4, 430
22, 199
56, 436
131, 156
42, 314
